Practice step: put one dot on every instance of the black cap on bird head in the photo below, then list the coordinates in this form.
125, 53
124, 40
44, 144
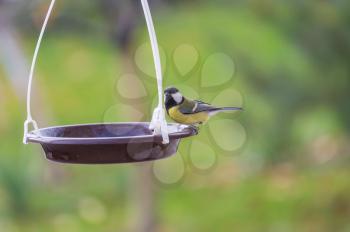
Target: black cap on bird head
173, 97
171, 90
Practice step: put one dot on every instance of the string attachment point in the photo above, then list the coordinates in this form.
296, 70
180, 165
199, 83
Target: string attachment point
159, 125
26, 129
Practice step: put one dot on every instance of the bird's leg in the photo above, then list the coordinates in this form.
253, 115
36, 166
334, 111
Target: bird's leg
195, 126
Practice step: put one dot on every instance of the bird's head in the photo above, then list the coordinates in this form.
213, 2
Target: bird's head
173, 97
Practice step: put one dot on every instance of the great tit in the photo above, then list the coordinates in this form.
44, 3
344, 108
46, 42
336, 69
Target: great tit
190, 112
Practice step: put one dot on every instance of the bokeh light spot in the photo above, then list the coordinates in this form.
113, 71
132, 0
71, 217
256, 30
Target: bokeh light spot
228, 134
218, 69
144, 59
138, 151
202, 156
229, 97
185, 58
169, 171
92, 210
121, 112
130, 86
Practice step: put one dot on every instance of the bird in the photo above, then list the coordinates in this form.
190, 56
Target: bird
190, 112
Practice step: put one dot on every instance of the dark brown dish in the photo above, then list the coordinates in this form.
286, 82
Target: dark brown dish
108, 143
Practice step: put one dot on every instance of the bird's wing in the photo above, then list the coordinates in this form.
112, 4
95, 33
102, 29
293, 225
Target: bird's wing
192, 107
187, 106
202, 106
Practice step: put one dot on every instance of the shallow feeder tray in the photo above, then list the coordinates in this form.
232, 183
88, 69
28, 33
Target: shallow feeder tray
108, 143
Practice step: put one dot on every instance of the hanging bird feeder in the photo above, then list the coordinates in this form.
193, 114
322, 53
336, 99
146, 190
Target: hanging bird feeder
113, 142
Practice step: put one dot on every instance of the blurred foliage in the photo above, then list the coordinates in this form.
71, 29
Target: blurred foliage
292, 68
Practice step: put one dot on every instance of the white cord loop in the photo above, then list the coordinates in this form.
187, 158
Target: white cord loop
26, 129
158, 123
32, 68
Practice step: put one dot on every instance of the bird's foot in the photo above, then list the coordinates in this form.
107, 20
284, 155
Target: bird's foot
195, 127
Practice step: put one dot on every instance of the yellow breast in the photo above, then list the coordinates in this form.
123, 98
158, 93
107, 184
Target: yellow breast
179, 117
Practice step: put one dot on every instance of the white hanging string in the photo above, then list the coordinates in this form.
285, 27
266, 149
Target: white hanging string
30, 119
158, 123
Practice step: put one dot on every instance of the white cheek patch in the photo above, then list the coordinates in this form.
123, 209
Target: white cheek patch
177, 97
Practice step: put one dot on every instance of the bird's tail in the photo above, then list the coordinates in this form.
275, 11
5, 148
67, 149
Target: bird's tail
229, 108
224, 109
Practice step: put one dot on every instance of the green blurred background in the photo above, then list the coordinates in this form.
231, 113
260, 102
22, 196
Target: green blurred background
292, 70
